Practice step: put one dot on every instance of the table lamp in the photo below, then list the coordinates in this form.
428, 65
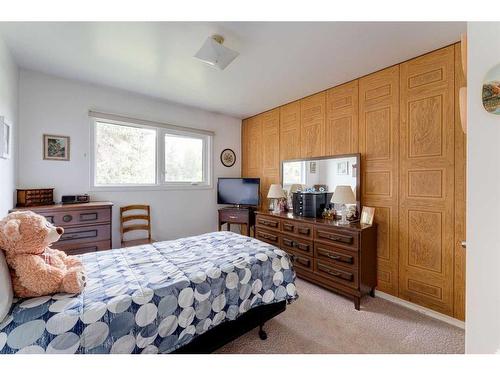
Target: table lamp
343, 195
275, 193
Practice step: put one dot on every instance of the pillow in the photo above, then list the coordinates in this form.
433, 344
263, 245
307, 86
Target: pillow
6, 293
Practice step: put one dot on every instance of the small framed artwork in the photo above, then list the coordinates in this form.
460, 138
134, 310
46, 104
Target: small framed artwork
5, 139
367, 215
491, 91
55, 147
227, 157
343, 168
312, 167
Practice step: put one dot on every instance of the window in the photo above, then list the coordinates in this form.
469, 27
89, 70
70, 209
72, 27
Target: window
134, 155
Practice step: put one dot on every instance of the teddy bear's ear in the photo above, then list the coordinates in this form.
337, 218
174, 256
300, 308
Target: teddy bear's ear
11, 229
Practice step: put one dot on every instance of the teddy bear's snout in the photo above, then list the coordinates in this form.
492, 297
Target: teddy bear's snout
60, 231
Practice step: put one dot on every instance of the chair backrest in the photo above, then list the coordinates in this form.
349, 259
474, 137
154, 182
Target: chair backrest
145, 219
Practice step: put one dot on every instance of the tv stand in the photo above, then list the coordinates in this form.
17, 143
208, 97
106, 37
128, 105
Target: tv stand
237, 215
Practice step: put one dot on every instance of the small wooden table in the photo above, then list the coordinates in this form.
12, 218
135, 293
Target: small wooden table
237, 215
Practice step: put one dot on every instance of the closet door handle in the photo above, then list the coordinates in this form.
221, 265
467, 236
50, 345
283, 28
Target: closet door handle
464, 244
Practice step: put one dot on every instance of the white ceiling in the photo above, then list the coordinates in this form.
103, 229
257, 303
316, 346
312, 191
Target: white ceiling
279, 61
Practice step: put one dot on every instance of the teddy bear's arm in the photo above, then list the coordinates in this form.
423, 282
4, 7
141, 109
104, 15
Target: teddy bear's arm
69, 261
38, 276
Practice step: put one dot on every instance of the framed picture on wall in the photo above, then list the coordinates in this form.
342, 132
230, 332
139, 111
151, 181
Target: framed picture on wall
367, 215
55, 147
5, 139
343, 168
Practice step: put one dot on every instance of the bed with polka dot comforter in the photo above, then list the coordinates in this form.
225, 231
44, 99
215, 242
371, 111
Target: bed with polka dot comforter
152, 298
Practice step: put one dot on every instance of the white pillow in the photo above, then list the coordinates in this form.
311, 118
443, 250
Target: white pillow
6, 293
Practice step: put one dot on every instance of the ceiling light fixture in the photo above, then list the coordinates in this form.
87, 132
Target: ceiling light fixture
215, 54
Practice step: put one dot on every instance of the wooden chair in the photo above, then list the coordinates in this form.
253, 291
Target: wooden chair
145, 224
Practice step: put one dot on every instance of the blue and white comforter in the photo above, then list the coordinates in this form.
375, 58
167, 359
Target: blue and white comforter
152, 298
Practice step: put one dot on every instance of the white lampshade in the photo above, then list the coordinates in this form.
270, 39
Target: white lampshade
275, 192
343, 195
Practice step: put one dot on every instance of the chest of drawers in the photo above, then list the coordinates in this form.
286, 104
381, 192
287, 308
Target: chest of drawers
339, 258
87, 226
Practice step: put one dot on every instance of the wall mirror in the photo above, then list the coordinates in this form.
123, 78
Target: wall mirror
323, 172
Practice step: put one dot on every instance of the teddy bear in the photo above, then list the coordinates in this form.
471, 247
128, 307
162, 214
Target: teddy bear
36, 269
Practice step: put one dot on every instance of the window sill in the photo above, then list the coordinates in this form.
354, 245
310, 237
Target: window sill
149, 188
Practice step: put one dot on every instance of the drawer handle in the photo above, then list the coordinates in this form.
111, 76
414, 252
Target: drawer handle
337, 238
304, 230
268, 237
340, 275
268, 223
79, 235
302, 246
288, 242
88, 217
67, 218
288, 227
344, 259
302, 261
232, 217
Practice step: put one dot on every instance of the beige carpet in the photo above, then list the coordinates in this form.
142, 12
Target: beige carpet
324, 322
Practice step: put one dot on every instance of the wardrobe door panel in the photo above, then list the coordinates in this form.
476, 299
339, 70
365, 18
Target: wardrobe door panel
379, 147
312, 125
270, 152
427, 180
254, 147
341, 128
460, 194
290, 131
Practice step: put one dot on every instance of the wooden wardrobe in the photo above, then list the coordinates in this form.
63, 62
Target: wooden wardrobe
404, 121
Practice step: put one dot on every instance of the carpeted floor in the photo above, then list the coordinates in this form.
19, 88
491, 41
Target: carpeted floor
324, 322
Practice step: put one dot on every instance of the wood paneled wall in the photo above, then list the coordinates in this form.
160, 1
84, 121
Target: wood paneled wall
404, 121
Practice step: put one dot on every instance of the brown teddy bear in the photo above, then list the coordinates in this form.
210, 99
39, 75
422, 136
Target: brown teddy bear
36, 269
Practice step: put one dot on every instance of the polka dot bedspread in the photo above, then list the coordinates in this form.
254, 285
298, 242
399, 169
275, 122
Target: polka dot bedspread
152, 298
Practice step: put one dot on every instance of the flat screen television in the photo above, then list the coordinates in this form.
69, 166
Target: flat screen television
238, 191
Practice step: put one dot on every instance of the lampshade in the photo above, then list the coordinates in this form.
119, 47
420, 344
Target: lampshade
343, 195
275, 191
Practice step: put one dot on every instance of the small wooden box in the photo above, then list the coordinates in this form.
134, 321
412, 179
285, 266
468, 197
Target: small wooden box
34, 197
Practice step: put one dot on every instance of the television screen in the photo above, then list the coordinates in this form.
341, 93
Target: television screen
242, 191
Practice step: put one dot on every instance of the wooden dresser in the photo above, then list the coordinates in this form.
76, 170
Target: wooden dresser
337, 257
87, 226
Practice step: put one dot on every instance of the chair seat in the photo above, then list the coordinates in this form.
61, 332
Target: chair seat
141, 241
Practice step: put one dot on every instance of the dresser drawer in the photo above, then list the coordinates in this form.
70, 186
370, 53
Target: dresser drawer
78, 217
336, 274
336, 255
337, 237
296, 244
298, 229
82, 248
234, 216
268, 222
269, 237
300, 261
91, 233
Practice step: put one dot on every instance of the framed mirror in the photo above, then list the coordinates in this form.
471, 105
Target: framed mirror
323, 174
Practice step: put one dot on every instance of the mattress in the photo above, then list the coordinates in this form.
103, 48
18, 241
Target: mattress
152, 298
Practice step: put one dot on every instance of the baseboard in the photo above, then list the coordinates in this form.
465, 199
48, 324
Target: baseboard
421, 309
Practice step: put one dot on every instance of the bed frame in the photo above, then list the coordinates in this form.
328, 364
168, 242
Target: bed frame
231, 330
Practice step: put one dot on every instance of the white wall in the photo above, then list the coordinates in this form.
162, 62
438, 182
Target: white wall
483, 204
9, 77
59, 106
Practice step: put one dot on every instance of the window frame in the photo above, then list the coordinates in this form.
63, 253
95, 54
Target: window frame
160, 183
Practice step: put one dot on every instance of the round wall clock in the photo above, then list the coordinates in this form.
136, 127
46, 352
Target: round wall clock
491, 91
227, 157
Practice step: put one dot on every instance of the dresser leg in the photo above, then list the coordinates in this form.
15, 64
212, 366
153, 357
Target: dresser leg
357, 301
372, 293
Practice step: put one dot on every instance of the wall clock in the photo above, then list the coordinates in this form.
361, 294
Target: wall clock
491, 91
227, 157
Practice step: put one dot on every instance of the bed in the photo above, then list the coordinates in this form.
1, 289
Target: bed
189, 295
